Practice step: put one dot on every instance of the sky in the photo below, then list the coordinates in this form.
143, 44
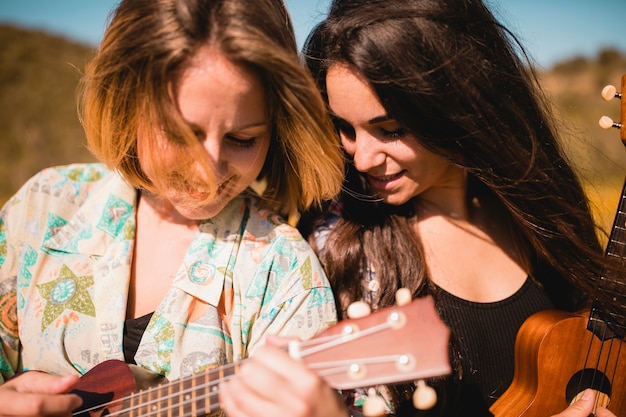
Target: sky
550, 30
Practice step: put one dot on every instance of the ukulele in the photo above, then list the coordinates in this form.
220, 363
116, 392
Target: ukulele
400, 343
558, 354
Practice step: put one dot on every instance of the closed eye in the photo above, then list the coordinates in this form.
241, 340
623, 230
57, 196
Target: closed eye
246, 142
394, 134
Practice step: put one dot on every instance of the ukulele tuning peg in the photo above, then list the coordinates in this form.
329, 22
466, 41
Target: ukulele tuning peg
403, 296
609, 92
374, 405
358, 309
424, 397
606, 122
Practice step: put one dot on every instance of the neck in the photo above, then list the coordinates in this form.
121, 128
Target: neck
160, 210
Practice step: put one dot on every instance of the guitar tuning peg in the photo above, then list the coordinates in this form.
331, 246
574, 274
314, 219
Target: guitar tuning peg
358, 309
374, 405
606, 122
609, 92
424, 397
403, 296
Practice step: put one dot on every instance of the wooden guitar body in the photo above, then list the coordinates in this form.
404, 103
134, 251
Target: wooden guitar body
106, 383
556, 358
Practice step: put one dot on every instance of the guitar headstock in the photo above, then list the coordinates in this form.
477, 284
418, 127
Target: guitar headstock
609, 92
401, 343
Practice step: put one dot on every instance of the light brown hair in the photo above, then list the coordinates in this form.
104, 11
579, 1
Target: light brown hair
126, 89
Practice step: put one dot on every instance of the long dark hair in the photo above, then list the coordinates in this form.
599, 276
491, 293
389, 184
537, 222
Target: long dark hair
450, 73
460, 83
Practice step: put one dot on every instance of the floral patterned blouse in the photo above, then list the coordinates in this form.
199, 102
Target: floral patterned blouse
66, 246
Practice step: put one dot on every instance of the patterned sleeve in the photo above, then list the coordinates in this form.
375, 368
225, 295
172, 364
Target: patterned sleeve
9, 347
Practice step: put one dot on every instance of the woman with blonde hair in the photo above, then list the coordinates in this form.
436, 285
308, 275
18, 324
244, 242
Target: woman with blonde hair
172, 252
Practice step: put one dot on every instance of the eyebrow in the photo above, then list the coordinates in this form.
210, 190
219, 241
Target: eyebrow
379, 119
251, 125
236, 128
375, 120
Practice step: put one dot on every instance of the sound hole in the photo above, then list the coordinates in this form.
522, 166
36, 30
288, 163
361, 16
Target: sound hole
587, 378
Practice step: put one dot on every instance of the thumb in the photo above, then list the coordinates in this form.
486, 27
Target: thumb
581, 407
40, 382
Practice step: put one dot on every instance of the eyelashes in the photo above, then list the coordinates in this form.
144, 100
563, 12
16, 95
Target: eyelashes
244, 143
247, 142
388, 129
394, 134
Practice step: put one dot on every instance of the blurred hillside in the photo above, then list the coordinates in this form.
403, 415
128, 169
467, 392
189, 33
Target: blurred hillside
574, 88
39, 125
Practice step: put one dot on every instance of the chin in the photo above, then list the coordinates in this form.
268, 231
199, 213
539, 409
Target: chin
200, 213
395, 199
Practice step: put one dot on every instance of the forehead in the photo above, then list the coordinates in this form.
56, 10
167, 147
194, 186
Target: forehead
212, 87
210, 65
350, 96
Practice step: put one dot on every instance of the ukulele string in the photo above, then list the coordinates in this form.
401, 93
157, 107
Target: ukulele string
336, 340
599, 371
211, 389
154, 407
610, 355
581, 383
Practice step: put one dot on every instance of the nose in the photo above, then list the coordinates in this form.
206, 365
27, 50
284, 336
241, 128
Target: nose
367, 152
216, 153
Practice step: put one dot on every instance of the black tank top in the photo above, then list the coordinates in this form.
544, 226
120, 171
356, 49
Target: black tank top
482, 346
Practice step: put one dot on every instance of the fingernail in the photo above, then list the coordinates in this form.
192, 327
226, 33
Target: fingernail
586, 395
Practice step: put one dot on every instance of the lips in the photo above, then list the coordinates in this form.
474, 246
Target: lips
223, 186
385, 182
200, 192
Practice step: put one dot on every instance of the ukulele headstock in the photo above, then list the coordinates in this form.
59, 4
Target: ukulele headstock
401, 343
610, 92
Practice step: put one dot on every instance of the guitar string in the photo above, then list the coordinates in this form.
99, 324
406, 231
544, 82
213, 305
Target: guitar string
615, 248
609, 356
317, 345
155, 408
599, 371
338, 366
595, 369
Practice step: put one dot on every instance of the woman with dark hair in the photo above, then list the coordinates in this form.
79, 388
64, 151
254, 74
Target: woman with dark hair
173, 253
456, 187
